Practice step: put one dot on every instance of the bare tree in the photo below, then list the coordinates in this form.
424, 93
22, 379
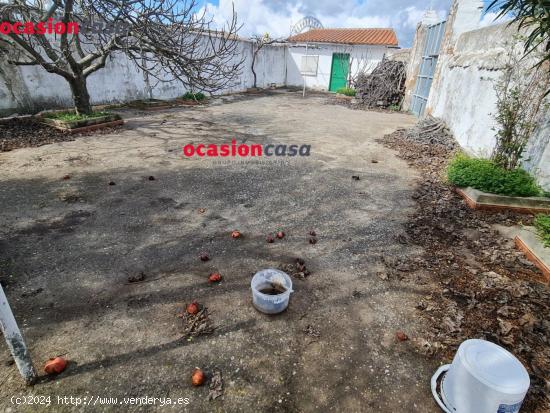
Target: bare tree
259, 43
167, 39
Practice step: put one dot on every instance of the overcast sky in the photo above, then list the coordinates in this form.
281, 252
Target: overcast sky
276, 16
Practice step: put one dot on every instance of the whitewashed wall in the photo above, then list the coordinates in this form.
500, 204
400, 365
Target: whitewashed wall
362, 57
463, 94
31, 88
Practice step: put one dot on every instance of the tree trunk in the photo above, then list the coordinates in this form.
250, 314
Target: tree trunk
253, 63
253, 72
81, 96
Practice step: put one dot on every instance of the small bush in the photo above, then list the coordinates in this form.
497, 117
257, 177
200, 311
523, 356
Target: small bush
73, 116
348, 91
542, 223
486, 176
194, 96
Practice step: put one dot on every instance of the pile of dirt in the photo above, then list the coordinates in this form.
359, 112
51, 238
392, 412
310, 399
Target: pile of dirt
481, 286
28, 132
384, 87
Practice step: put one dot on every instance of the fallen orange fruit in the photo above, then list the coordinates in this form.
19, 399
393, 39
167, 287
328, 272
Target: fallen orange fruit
193, 308
55, 365
215, 277
197, 379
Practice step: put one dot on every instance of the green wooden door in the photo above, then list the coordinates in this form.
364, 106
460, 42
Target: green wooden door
339, 71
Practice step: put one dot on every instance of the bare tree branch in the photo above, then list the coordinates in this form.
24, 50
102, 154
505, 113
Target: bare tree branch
168, 39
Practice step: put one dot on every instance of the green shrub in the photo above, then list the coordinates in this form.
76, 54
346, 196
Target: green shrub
542, 223
348, 91
194, 96
73, 116
486, 176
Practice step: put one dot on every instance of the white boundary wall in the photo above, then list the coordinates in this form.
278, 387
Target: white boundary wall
463, 94
31, 88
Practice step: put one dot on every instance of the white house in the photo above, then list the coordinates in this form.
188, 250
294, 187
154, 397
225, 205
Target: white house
327, 59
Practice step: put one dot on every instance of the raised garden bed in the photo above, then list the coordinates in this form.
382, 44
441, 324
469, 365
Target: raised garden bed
476, 199
530, 244
150, 104
192, 99
189, 102
73, 123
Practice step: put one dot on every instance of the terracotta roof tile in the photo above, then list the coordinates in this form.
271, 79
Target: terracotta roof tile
384, 37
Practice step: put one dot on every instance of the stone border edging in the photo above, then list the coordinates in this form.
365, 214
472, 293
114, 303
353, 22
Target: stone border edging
479, 200
89, 127
525, 245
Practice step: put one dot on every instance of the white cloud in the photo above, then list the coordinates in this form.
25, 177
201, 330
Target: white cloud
488, 19
276, 16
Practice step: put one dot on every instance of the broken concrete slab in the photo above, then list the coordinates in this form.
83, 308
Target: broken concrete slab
476, 199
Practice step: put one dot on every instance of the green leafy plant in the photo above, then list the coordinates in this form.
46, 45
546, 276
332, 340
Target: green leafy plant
348, 91
194, 96
73, 116
542, 224
487, 176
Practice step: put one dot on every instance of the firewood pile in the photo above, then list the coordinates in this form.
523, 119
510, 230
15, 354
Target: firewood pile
384, 87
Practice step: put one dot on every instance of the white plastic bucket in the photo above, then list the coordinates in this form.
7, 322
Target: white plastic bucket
483, 378
266, 303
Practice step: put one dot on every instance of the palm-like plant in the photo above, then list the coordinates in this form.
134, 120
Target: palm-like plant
531, 14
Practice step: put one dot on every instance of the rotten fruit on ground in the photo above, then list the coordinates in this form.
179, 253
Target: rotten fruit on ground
204, 256
197, 379
192, 308
270, 239
55, 365
312, 233
236, 234
151, 178
313, 241
280, 234
111, 183
401, 336
67, 177
215, 277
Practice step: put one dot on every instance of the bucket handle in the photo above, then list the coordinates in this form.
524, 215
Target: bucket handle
436, 376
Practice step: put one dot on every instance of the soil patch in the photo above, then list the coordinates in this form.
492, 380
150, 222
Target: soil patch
482, 286
27, 132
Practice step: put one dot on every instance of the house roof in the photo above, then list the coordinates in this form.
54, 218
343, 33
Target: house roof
383, 37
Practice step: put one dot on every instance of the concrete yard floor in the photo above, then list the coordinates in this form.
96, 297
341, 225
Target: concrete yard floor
67, 247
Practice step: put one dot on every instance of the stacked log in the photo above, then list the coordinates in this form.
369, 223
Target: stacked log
384, 87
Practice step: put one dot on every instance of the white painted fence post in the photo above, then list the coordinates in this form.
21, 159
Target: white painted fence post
15, 340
